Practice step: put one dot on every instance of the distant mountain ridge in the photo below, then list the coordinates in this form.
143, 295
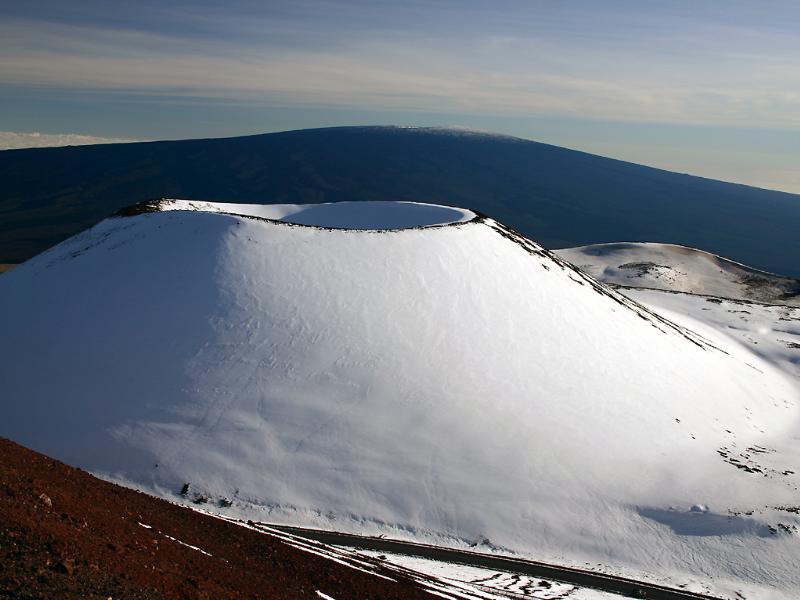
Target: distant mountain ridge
558, 196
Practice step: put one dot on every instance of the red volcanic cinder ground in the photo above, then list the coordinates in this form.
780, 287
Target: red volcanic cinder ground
67, 534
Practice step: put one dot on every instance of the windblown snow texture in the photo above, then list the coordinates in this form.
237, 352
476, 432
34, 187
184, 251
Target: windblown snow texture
448, 381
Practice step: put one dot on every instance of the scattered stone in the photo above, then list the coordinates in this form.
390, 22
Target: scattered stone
66, 566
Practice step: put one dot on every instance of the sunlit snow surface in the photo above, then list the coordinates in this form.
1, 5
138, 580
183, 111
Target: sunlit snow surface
339, 215
446, 383
448, 580
681, 269
488, 584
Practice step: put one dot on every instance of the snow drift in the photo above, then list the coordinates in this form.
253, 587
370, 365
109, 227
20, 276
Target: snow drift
430, 374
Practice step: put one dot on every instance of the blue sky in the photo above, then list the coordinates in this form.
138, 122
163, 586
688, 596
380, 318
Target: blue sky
706, 87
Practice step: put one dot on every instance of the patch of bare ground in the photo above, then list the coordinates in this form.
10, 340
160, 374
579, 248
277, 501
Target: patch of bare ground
67, 534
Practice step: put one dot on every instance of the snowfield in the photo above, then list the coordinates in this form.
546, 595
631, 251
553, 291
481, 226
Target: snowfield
341, 215
426, 375
681, 269
488, 584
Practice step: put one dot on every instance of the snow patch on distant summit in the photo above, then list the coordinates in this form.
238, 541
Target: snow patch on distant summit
339, 215
457, 130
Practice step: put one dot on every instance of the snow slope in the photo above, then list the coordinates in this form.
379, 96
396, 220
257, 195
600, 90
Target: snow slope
681, 269
769, 331
450, 382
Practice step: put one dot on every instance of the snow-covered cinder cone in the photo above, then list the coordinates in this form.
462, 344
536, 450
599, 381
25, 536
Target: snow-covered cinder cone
398, 368
681, 269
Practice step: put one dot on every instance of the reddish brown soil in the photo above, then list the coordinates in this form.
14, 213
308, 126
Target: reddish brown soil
67, 534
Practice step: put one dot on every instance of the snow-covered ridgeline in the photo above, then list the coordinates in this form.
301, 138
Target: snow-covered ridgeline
341, 215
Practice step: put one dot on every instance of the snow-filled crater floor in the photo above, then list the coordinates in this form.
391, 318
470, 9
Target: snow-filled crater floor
416, 371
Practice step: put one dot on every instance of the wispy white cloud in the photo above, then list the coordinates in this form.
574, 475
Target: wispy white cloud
678, 78
12, 139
